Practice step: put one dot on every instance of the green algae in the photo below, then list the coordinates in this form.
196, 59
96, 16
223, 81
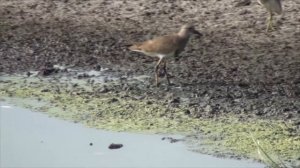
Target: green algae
119, 112
276, 138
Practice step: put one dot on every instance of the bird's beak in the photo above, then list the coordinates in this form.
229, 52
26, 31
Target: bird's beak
198, 33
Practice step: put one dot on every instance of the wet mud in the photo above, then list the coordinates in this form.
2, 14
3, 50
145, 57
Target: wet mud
236, 69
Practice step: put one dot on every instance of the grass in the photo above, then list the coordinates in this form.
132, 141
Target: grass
266, 157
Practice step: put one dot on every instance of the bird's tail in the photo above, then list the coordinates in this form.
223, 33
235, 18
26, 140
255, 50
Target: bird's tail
276, 6
135, 47
278, 9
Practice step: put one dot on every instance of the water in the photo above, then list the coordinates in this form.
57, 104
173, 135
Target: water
31, 139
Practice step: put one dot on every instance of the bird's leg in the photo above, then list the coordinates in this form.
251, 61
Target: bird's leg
166, 73
176, 55
156, 70
270, 22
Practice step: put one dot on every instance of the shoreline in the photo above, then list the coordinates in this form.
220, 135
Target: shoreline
225, 135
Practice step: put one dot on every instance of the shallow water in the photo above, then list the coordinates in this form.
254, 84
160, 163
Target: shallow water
77, 76
31, 139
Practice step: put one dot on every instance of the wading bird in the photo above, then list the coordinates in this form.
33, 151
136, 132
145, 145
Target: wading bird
166, 46
272, 6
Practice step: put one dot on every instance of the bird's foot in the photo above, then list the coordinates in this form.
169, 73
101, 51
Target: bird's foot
270, 29
156, 84
270, 26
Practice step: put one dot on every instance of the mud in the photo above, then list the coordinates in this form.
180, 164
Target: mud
235, 69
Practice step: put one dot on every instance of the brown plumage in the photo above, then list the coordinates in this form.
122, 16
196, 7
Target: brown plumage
165, 46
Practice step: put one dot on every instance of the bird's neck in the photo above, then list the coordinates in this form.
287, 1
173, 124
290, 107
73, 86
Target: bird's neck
183, 33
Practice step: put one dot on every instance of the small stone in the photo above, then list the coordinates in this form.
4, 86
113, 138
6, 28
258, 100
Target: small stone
45, 90
171, 140
259, 113
138, 97
243, 85
81, 76
149, 102
97, 68
28, 74
187, 112
243, 3
129, 9
175, 100
115, 146
237, 100
208, 109
113, 100
103, 90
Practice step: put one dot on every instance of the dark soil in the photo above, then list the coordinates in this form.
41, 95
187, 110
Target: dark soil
236, 67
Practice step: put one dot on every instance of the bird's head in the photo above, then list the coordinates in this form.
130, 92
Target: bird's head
189, 29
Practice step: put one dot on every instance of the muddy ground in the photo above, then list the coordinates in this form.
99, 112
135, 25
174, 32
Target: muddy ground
235, 68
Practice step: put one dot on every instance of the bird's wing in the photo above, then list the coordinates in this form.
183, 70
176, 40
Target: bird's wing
164, 45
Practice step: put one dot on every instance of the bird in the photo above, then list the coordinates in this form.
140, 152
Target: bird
166, 46
272, 6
